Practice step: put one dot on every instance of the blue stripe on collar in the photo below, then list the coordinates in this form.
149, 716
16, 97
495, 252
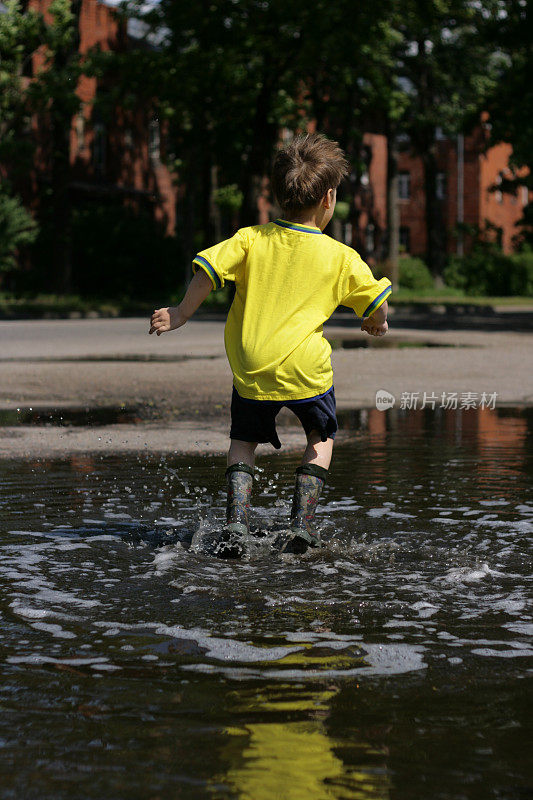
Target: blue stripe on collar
295, 226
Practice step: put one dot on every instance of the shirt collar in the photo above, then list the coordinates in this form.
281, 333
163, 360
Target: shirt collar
295, 226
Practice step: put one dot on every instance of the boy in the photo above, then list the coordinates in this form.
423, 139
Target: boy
289, 279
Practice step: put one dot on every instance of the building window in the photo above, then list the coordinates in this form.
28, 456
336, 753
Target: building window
440, 186
405, 239
498, 194
440, 136
404, 185
80, 132
369, 238
154, 140
348, 233
99, 148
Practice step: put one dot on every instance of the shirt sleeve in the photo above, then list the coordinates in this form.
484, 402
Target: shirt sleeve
360, 290
223, 261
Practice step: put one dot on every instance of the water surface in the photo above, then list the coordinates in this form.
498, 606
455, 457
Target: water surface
393, 663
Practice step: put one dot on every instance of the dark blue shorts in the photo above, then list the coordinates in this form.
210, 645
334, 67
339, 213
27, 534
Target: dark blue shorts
255, 420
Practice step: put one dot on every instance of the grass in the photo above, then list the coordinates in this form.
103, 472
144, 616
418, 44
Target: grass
68, 306
448, 296
43, 306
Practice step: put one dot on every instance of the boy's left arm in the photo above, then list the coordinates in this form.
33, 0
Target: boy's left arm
173, 317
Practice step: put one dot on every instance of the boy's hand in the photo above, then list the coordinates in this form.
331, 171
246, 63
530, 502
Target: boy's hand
374, 328
167, 319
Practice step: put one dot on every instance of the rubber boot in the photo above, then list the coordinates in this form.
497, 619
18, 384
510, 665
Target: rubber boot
239, 487
310, 480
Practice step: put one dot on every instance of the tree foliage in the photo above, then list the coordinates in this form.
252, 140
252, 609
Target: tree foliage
20, 36
228, 79
46, 100
510, 102
17, 229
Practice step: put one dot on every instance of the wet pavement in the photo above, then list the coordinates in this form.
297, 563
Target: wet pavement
176, 388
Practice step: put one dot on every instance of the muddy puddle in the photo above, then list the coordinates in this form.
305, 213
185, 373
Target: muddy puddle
388, 343
393, 663
163, 358
75, 416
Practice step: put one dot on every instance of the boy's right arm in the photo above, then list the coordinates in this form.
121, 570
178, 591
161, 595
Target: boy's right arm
173, 317
359, 290
376, 324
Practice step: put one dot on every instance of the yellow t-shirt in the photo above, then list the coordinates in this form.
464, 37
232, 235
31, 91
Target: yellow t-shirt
289, 279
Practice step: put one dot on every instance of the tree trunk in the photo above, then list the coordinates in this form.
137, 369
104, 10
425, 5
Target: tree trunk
216, 215
61, 216
190, 224
393, 212
263, 138
435, 231
61, 124
205, 211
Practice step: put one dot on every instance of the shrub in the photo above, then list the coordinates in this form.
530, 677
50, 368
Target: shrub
414, 274
228, 198
486, 270
522, 268
342, 210
17, 228
116, 252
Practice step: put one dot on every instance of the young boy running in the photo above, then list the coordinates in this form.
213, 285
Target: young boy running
289, 279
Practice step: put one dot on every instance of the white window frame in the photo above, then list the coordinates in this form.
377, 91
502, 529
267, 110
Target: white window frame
404, 185
440, 186
154, 140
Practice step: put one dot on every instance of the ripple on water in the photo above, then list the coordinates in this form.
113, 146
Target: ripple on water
424, 579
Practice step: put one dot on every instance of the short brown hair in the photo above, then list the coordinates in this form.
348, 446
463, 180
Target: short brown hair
305, 169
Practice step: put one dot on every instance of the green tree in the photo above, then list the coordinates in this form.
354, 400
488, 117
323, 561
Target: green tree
510, 102
223, 79
53, 96
229, 76
17, 229
19, 34
404, 69
444, 67
350, 72
38, 110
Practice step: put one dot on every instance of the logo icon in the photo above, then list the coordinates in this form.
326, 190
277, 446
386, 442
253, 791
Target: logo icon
384, 400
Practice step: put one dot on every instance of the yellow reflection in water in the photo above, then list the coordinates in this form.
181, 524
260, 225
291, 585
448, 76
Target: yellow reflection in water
296, 759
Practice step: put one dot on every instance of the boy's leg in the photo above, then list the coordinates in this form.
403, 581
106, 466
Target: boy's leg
310, 479
240, 476
319, 421
241, 452
318, 452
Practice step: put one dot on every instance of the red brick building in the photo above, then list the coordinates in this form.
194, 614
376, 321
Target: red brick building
122, 158
466, 189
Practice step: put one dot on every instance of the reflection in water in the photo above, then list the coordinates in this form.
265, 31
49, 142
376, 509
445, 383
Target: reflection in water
136, 665
295, 758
